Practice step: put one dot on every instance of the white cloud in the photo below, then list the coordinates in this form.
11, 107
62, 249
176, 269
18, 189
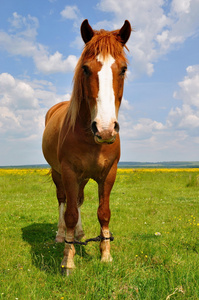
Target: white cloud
125, 105
181, 6
70, 12
77, 43
22, 42
186, 117
55, 63
189, 87
17, 45
183, 118
23, 106
183, 17
25, 26
177, 138
19, 109
16, 94
144, 129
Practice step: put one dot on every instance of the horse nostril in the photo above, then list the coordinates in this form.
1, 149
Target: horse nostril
94, 127
117, 127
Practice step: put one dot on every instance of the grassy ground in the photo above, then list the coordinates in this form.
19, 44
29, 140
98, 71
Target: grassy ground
155, 222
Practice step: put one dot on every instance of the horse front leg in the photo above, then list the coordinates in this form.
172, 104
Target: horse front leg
104, 213
71, 216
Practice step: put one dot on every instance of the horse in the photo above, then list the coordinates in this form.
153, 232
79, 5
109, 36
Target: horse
81, 136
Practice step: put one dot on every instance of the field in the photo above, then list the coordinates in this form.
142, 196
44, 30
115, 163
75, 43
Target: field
155, 223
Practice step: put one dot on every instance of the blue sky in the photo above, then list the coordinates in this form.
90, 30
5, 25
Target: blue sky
40, 44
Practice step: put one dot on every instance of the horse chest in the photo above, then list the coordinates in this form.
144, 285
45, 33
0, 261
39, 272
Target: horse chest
90, 164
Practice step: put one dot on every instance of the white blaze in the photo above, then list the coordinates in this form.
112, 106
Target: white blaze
106, 98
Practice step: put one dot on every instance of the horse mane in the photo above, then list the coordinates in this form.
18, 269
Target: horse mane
104, 43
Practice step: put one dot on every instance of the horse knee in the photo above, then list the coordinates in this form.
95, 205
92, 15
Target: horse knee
61, 197
71, 217
104, 215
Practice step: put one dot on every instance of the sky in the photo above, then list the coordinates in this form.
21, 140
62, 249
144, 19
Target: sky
40, 44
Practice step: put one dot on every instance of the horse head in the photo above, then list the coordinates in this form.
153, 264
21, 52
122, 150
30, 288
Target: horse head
103, 66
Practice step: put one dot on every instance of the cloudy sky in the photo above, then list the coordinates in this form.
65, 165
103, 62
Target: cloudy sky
40, 44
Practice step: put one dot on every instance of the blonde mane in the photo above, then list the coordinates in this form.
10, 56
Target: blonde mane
104, 43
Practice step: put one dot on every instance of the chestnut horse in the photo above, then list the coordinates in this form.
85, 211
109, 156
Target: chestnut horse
81, 139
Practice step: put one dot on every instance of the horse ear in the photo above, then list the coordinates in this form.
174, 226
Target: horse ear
125, 32
86, 31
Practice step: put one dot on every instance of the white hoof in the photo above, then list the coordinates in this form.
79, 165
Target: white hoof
66, 272
107, 258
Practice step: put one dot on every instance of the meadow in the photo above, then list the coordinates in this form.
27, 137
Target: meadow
155, 223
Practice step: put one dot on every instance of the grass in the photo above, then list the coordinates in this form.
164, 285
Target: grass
155, 222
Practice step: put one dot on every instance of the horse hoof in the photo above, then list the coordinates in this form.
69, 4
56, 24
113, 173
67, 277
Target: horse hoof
69, 272
59, 239
66, 272
107, 258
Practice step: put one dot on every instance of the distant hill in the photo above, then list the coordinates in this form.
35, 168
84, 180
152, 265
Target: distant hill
134, 165
41, 166
166, 164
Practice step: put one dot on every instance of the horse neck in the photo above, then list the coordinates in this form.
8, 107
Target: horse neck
84, 117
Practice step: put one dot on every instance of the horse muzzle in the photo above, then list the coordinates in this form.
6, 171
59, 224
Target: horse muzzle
107, 136
99, 140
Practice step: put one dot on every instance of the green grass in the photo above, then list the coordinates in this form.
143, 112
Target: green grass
155, 222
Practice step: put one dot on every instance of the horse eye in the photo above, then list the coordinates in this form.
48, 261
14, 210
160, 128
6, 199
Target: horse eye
86, 70
123, 71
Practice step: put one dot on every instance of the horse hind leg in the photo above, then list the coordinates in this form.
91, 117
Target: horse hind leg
60, 236
62, 206
79, 232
